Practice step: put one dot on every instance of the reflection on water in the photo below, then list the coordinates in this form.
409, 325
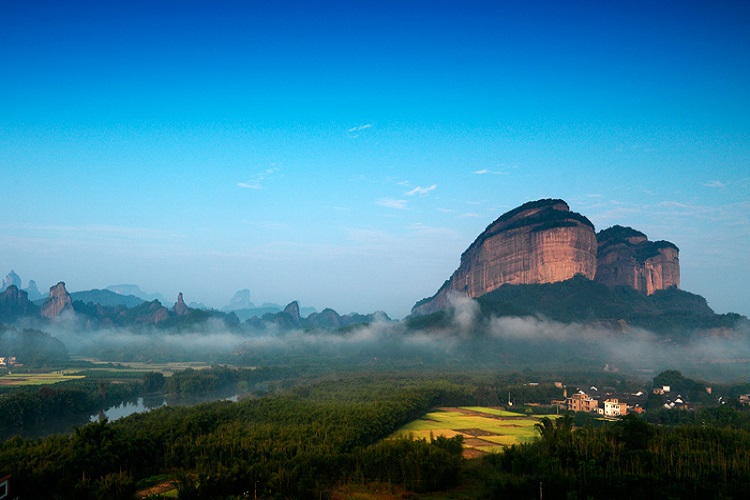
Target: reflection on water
125, 409
142, 405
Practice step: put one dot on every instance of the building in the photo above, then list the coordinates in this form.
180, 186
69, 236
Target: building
581, 402
614, 408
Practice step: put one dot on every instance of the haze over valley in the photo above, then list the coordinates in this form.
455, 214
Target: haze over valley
379, 250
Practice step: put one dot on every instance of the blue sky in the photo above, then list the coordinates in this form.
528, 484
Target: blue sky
345, 153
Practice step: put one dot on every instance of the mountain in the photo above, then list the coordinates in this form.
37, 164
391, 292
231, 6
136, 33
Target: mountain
179, 307
328, 319
245, 309
544, 242
625, 257
12, 279
539, 242
580, 300
106, 298
241, 300
58, 305
15, 303
33, 291
136, 291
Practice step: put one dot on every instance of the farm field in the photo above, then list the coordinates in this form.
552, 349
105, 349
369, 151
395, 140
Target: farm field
17, 379
167, 368
485, 430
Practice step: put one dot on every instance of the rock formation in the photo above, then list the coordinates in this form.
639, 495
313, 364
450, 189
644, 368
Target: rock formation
33, 291
151, 313
292, 309
327, 319
58, 304
14, 303
180, 308
539, 242
241, 300
12, 279
626, 257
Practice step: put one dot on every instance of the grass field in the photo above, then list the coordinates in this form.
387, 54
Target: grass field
133, 366
485, 430
15, 379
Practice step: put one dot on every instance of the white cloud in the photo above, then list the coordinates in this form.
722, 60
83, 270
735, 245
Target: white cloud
360, 127
486, 171
256, 181
421, 190
714, 184
391, 203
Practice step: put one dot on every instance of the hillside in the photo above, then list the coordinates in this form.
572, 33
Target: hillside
582, 300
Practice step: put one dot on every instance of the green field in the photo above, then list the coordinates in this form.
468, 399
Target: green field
15, 379
485, 430
167, 368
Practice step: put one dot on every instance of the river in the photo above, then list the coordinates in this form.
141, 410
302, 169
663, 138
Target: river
142, 405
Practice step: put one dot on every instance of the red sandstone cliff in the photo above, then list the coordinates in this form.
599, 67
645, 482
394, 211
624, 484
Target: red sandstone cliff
180, 308
538, 242
626, 257
58, 304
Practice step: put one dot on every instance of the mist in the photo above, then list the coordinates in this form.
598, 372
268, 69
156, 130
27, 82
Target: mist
466, 340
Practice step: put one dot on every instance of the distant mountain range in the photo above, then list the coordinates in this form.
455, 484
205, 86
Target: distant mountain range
92, 309
539, 259
136, 291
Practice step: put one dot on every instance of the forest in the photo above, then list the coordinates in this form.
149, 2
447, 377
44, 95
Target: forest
307, 440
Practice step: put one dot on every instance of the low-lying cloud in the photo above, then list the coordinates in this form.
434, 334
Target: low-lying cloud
465, 340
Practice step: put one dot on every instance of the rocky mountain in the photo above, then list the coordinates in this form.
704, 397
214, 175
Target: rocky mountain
241, 300
245, 309
106, 298
12, 279
15, 303
180, 308
59, 304
625, 257
136, 291
544, 242
539, 242
328, 319
33, 291
671, 312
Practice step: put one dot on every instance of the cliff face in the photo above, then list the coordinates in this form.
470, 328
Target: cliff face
626, 257
14, 303
538, 242
179, 307
58, 304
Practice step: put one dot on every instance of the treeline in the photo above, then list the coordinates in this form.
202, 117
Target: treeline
191, 382
292, 446
628, 459
303, 443
31, 410
26, 409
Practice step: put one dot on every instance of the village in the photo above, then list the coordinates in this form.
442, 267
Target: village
609, 403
